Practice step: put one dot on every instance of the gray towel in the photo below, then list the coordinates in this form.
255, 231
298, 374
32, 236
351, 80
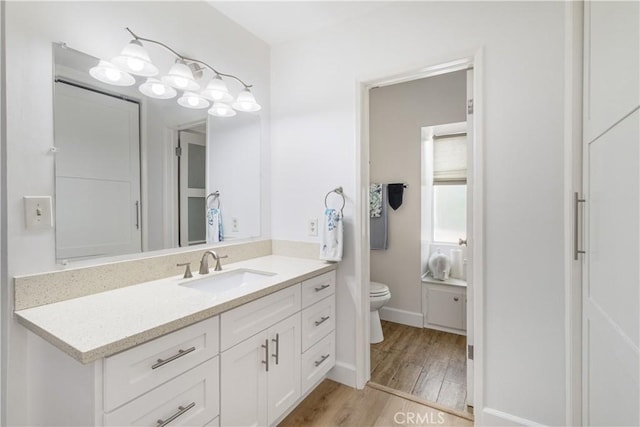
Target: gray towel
378, 225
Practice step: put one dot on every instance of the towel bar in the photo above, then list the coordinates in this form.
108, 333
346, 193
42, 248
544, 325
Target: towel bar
216, 196
338, 191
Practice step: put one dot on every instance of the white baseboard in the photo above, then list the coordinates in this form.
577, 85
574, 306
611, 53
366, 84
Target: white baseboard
493, 417
343, 373
404, 317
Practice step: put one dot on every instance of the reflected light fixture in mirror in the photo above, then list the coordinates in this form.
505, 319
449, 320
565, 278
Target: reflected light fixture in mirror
108, 73
154, 88
134, 59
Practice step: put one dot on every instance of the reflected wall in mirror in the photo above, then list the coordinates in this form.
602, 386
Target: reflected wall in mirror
133, 173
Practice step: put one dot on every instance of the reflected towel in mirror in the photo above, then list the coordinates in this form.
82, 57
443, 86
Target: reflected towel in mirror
214, 225
332, 229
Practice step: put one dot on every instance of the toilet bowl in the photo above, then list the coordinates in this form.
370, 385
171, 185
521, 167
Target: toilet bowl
379, 295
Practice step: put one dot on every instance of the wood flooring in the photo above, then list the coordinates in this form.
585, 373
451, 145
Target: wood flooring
334, 404
425, 363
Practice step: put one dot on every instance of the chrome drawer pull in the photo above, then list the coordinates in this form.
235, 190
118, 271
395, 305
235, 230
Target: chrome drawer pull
162, 362
322, 359
277, 353
323, 287
181, 410
266, 354
322, 320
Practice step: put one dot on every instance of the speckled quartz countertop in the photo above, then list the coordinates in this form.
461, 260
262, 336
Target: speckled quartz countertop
99, 325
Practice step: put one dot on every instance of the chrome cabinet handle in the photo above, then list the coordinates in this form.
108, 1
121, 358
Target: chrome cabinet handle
180, 353
266, 353
277, 354
322, 320
181, 411
576, 202
322, 359
321, 288
137, 215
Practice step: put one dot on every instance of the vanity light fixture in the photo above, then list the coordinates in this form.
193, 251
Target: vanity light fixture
193, 100
181, 77
155, 88
106, 72
134, 59
246, 102
217, 90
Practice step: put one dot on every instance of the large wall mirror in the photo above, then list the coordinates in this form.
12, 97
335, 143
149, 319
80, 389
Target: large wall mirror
134, 173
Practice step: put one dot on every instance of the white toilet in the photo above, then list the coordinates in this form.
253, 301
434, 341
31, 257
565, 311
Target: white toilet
379, 295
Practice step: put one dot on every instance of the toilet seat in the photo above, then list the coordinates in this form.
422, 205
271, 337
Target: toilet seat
378, 289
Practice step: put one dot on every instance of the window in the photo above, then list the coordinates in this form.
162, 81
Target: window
449, 195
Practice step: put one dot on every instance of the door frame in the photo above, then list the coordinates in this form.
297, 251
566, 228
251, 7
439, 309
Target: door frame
362, 255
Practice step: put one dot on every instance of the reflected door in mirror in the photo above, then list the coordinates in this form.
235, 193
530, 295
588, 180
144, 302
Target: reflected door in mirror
97, 173
193, 157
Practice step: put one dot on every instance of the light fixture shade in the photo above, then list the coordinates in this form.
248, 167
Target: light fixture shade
193, 100
220, 109
154, 88
217, 90
134, 59
246, 102
106, 72
181, 77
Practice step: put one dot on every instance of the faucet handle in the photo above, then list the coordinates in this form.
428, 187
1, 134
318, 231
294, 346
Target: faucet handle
218, 266
187, 271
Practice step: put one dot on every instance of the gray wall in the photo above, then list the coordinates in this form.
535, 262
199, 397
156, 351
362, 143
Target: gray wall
397, 114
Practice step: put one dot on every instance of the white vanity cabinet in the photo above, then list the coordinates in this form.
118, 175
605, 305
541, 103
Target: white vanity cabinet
250, 365
265, 375
445, 305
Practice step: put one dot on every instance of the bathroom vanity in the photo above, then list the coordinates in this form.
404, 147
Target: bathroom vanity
445, 304
171, 351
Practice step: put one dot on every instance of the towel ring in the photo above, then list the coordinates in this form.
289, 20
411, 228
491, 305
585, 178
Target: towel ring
216, 196
338, 191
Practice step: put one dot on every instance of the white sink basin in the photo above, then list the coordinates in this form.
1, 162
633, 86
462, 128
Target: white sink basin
227, 281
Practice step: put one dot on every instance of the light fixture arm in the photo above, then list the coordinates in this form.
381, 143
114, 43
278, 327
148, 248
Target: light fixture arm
184, 58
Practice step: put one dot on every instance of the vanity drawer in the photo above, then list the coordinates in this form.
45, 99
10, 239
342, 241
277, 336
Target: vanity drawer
317, 361
193, 398
317, 288
247, 320
136, 371
317, 321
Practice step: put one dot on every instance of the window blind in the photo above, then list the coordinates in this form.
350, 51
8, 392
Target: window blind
450, 159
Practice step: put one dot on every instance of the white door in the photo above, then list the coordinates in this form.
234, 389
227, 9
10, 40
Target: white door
192, 188
284, 369
611, 285
243, 382
97, 171
470, 242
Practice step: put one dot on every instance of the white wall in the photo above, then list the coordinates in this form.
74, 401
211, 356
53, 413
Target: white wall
193, 28
397, 115
314, 129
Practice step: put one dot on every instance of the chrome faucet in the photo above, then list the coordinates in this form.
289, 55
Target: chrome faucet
204, 263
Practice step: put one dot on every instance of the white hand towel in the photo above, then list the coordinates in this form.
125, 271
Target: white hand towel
214, 225
331, 245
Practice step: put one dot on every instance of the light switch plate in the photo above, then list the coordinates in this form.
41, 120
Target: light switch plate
38, 212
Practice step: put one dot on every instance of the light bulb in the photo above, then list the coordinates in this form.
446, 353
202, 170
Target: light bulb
193, 101
135, 64
221, 111
158, 89
112, 74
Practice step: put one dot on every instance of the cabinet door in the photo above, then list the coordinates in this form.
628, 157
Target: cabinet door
284, 366
445, 308
244, 383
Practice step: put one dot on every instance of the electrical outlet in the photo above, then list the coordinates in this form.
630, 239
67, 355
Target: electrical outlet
312, 227
38, 212
234, 224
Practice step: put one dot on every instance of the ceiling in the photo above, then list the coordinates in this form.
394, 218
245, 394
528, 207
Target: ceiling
281, 21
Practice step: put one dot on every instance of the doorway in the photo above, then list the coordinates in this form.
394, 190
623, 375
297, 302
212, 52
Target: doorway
408, 346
